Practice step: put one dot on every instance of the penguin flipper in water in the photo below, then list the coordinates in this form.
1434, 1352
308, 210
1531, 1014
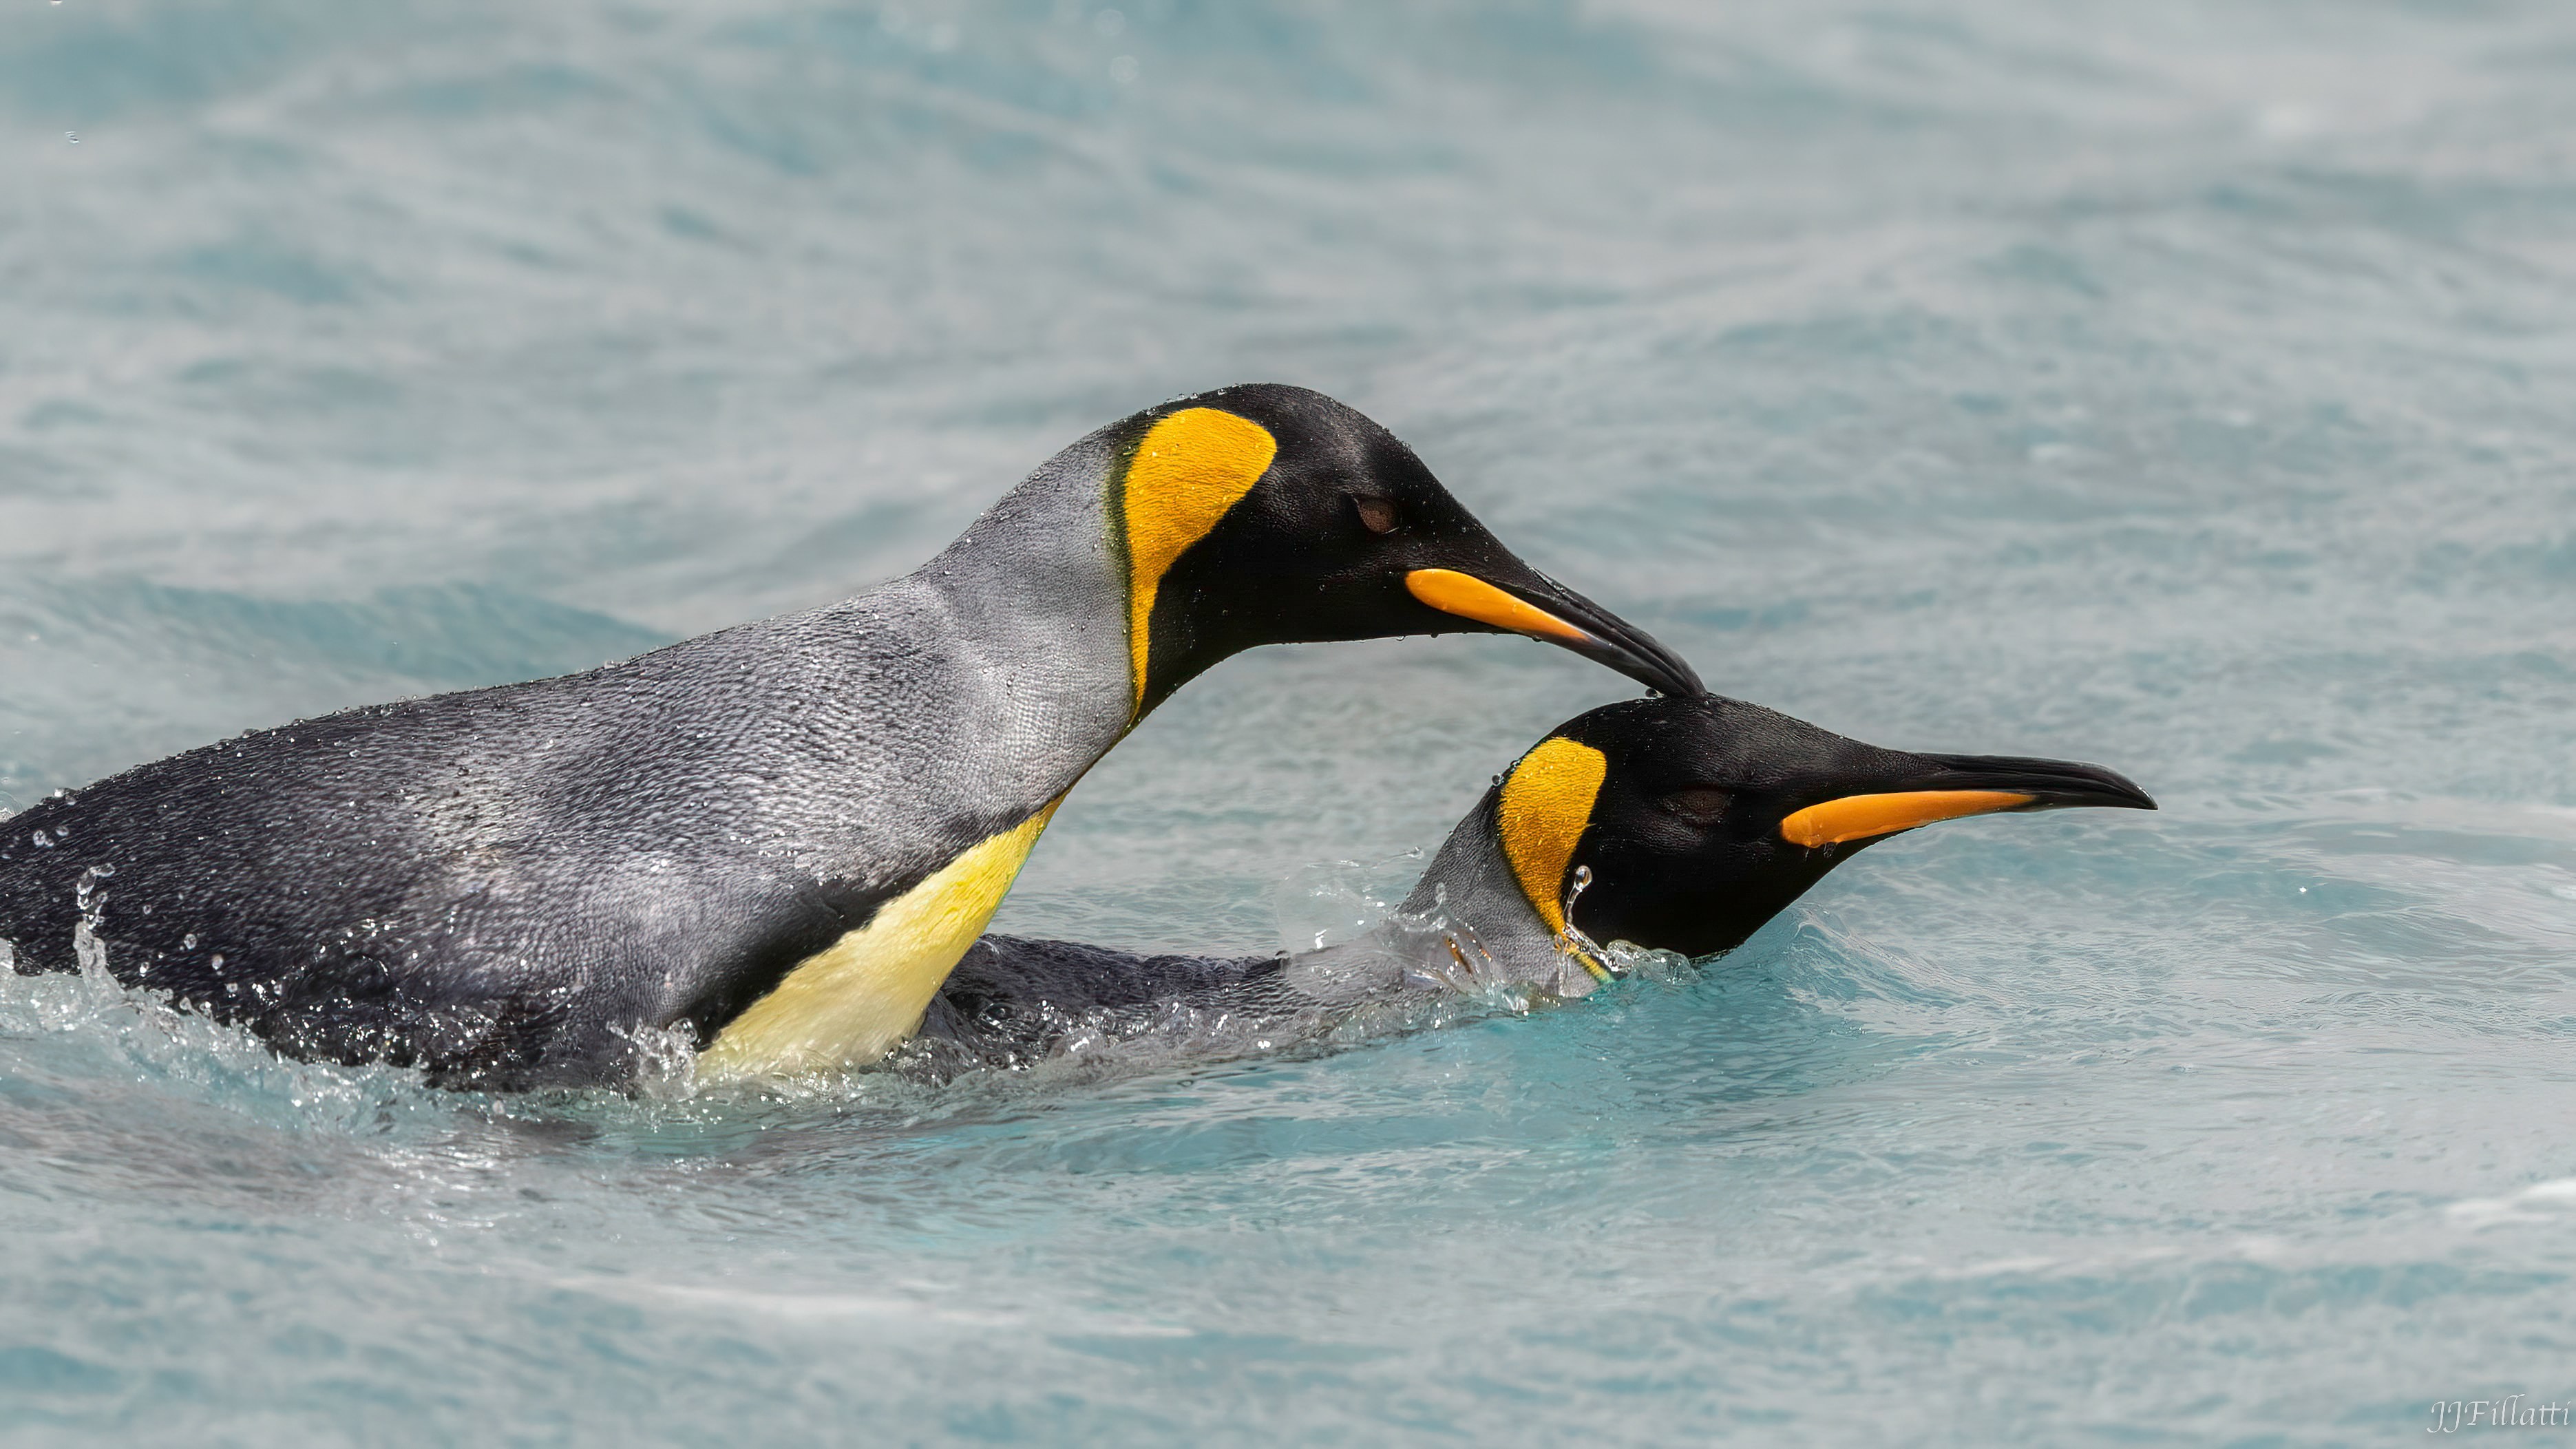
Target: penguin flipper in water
1687, 824
776, 839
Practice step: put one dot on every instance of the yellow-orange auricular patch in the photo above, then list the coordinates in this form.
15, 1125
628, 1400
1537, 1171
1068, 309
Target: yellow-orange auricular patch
1547, 800
1469, 597
1191, 468
1858, 817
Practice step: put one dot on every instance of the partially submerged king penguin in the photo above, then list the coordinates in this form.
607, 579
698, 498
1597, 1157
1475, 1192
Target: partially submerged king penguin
778, 838
1677, 824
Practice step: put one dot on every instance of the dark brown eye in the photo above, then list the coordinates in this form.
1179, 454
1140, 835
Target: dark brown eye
1699, 805
1376, 514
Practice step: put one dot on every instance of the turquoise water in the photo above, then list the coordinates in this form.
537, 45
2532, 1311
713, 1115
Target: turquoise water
2189, 387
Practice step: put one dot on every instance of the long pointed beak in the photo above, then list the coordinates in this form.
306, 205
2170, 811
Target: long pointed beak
1542, 608
1957, 785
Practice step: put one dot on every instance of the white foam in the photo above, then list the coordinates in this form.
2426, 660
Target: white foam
2541, 1202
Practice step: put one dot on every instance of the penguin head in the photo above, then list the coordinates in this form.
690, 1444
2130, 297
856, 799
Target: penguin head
1268, 514
1699, 819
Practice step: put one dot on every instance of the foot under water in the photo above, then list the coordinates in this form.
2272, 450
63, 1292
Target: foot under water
2183, 387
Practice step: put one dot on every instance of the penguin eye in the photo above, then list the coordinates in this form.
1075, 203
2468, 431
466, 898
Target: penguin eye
1377, 515
1699, 805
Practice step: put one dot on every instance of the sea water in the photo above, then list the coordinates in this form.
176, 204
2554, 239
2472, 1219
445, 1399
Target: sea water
2185, 387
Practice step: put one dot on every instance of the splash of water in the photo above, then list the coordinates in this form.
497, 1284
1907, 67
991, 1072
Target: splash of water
1618, 960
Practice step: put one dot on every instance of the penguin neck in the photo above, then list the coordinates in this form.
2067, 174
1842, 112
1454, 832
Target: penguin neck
1032, 601
1471, 882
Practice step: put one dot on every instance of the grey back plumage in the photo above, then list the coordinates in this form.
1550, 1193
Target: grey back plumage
506, 885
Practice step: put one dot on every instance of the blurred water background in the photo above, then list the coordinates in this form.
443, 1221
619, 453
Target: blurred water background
2188, 387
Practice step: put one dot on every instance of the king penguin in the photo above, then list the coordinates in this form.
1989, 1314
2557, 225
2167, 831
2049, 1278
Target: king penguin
770, 844
1675, 824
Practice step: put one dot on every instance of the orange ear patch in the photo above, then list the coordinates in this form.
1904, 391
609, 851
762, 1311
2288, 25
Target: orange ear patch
1190, 468
1547, 800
